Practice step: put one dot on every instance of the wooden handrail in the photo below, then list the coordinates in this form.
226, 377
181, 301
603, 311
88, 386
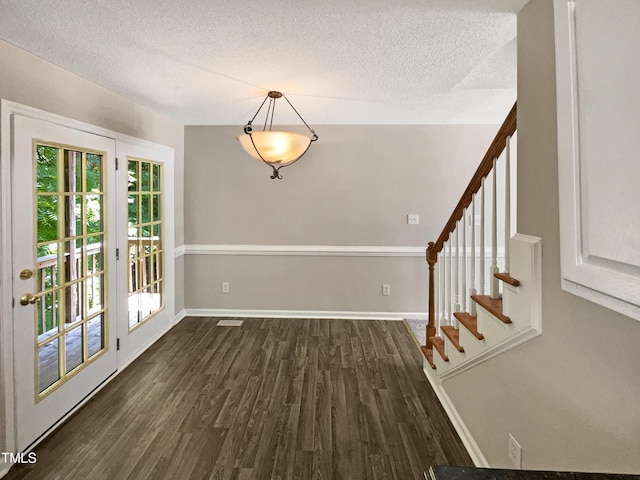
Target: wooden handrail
507, 129
496, 148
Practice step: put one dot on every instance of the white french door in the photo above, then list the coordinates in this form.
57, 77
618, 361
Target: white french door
64, 239
146, 246
92, 250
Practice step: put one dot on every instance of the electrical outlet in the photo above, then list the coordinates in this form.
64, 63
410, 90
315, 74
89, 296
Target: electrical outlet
386, 289
515, 452
413, 219
225, 287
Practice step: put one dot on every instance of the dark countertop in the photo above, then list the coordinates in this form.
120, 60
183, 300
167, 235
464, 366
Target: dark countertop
468, 473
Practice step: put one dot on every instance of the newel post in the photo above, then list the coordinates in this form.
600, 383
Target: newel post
432, 258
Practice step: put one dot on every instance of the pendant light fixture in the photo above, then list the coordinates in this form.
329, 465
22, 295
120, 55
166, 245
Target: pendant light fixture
276, 148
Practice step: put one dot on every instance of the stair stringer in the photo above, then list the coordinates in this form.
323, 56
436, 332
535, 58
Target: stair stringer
523, 304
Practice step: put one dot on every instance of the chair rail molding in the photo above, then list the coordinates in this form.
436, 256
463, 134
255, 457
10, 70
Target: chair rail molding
305, 250
598, 164
312, 250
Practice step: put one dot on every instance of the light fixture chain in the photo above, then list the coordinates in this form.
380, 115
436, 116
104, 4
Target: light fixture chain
315, 137
269, 107
260, 108
273, 110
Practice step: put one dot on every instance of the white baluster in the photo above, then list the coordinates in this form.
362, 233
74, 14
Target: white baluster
441, 290
494, 284
436, 290
456, 271
463, 270
507, 204
483, 253
472, 265
447, 282
451, 282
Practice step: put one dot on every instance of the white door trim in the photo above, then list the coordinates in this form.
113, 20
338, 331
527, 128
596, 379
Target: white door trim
7, 109
599, 275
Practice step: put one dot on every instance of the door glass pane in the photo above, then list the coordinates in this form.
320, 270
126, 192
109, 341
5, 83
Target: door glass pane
145, 208
48, 365
73, 341
74, 217
156, 295
134, 209
134, 309
156, 178
133, 175
94, 213
94, 172
47, 217
48, 315
95, 293
48, 267
145, 173
157, 202
70, 269
94, 254
73, 301
146, 254
47, 168
95, 330
72, 171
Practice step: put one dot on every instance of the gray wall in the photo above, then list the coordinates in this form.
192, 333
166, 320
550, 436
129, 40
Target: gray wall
354, 187
570, 397
29, 80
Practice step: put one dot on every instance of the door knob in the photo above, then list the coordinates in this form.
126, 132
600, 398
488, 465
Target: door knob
28, 298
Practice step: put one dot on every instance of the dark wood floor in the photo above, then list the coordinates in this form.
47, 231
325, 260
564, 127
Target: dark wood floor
272, 399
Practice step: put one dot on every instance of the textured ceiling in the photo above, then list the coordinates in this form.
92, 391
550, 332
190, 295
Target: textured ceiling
338, 61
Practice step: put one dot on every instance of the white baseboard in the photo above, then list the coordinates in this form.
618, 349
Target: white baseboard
468, 441
146, 346
218, 312
179, 316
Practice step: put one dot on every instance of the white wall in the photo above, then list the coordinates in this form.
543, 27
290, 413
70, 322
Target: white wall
353, 188
29, 80
570, 397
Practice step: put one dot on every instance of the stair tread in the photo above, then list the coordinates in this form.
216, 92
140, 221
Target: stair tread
453, 334
428, 353
492, 305
438, 344
470, 322
507, 278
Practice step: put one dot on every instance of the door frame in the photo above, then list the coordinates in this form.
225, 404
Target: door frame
7, 391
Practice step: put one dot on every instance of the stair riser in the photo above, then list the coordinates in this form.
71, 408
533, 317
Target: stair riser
494, 330
472, 346
452, 352
441, 365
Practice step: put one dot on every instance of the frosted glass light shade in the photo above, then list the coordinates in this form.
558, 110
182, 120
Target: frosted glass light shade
275, 146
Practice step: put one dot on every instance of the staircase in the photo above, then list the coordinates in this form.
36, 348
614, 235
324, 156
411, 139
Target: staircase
484, 281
